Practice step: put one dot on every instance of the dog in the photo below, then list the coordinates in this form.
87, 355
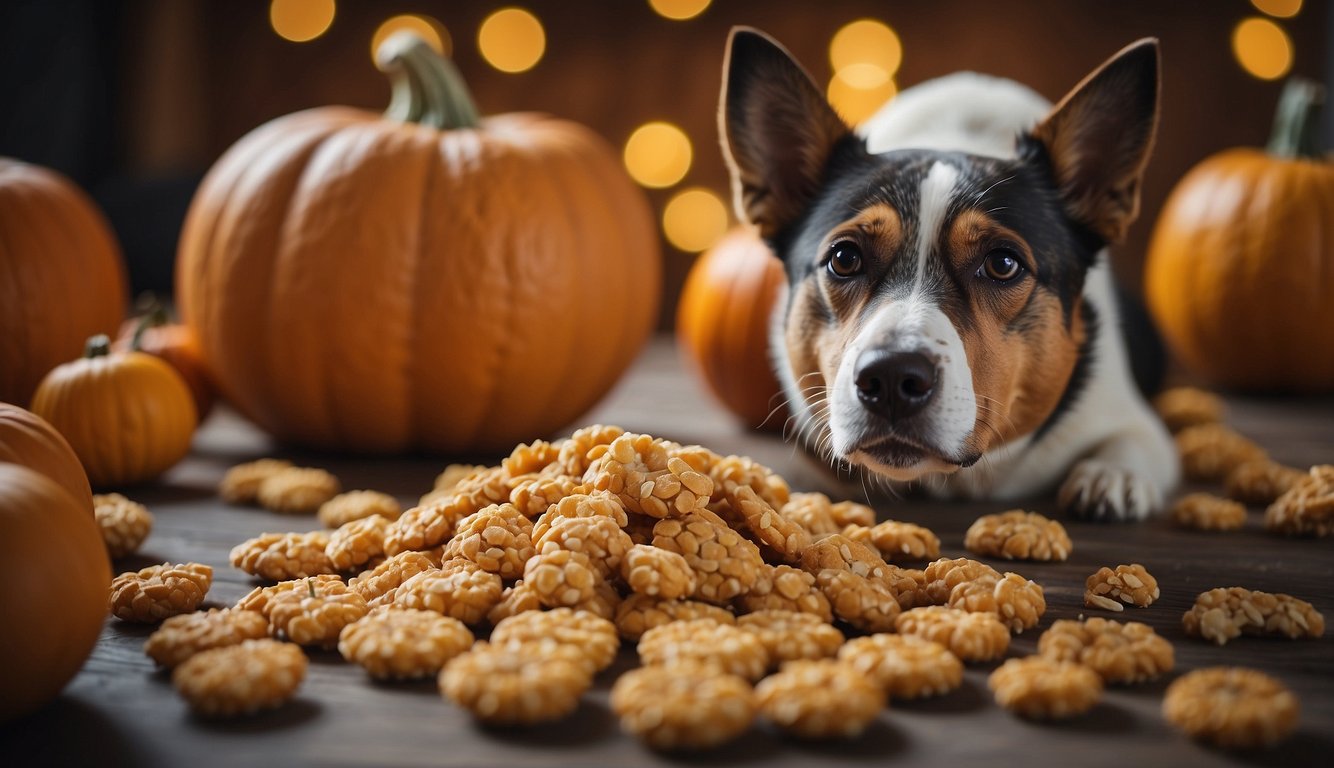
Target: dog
950, 318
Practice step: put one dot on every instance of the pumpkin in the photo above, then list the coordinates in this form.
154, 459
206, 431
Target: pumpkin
1240, 268
128, 415
425, 279
63, 277
722, 326
27, 439
155, 334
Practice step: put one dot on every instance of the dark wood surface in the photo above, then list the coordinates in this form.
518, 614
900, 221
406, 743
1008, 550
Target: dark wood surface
120, 711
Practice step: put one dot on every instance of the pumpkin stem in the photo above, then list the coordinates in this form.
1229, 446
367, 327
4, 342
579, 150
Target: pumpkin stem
97, 346
155, 316
1297, 120
427, 88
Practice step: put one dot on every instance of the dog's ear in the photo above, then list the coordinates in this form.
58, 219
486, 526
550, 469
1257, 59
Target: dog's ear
1099, 138
777, 130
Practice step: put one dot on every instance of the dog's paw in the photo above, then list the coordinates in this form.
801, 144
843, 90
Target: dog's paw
1099, 490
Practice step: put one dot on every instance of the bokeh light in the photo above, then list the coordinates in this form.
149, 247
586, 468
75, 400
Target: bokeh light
427, 28
856, 104
512, 40
679, 10
694, 219
301, 20
657, 154
866, 41
1283, 9
1262, 48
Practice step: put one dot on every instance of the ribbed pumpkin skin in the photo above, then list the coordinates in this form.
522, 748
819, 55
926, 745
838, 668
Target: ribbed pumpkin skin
177, 345
722, 324
1240, 272
27, 439
54, 577
61, 276
372, 286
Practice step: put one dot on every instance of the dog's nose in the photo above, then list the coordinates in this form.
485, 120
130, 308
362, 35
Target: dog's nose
895, 385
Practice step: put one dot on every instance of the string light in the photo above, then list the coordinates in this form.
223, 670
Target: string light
658, 154
1283, 9
694, 219
679, 10
301, 20
866, 41
512, 40
1262, 48
856, 104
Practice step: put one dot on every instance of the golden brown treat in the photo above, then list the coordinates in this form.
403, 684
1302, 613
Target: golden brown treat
699, 458
258, 599
154, 593
598, 537
604, 603
497, 537
725, 563
428, 525
742, 470
640, 528
282, 556
866, 603
515, 600
1019, 602
897, 541
943, 575
1224, 613
355, 544
594, 637
535, 495
403, 644
908, 586
504, 687
358, 505
1183, 407
1307, 509
316, 614
573, 458
581, 505
379, 585
562, 578
460, 589
1232, 707
812, 511
785, 588
1018, 535
297, 490
847, 513
642, 474
841, 553
905, 666
783, 536
683, 707
181, 637
1043, 689
1129, 584
819, 699
734, 650
973, 637
789, 635
1260, 482
1210, 451
1120, 653
452, 475
530, 458
124, 523
484, 488
638, 614
655, 572
1207, 512
241, 483
240, 679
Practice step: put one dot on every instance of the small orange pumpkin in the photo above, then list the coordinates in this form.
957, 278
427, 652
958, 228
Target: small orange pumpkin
63, 280
155, 334
128, 415
1240, 270
722, 325
27, 439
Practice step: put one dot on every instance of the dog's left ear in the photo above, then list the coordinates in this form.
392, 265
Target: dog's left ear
1099, 138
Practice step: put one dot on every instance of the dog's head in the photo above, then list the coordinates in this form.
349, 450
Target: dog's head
935, 305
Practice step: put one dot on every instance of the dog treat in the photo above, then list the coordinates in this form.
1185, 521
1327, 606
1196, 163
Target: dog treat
516, 599
943, 575
403, 644
1120, 653
259, 598
296, 490
241, 483
573, 457
725, 563
503, 687
783, 536
737, 471
460, 589
1183, 407
357, 543
812, 511
1260, 482
530, 458
641, 473
866, 603
897, 541
1129, 584
604, 602
453, 474
655, 572
1018, 601
181, 637
379, 584
819, 699
358, 505
908, 586
1307, 509
1018, 535
429, 525
1043, 689
905, 666
240, 679
784, 588
282, 556
973, 637
847, 513
594, 637
1224, 613
497, 537
582, 505
1207, 512
124, 523
159, 591
734, 650
788, 635
1210, 451
838, 552
638, 614
535, 495
683, 706
598, 537
316, 614
561, 577
1231, 707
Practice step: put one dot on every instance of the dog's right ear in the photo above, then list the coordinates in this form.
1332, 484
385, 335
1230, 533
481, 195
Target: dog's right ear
777, 128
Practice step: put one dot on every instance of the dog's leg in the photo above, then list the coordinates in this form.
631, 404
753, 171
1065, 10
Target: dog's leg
1126, 477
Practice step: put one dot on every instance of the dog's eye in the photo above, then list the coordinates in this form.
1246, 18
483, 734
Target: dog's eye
1002, 266
845, 259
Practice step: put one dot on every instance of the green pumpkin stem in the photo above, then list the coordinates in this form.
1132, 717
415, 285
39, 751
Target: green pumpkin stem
427, 88
155, 316
1297, 120
97, 346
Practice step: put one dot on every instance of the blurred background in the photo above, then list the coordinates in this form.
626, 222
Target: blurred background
135, 99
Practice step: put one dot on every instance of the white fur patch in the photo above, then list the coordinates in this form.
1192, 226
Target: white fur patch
936, 192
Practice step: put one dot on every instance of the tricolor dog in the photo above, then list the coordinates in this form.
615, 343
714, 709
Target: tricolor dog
950, 316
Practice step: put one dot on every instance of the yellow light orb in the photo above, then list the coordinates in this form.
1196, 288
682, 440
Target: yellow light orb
679, 10
866, 41
301, 20
512, 40
1283, 9
694, 219
657, 154
427, 28
856, 104
1262, 48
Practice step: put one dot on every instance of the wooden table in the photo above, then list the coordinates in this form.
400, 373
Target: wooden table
120, 711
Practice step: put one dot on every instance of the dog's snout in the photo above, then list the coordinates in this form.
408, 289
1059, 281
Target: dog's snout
895, 385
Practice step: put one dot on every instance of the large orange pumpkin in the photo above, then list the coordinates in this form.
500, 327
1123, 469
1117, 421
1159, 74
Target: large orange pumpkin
424, 279
722, 325
1240, 270
27, 439
63, 278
